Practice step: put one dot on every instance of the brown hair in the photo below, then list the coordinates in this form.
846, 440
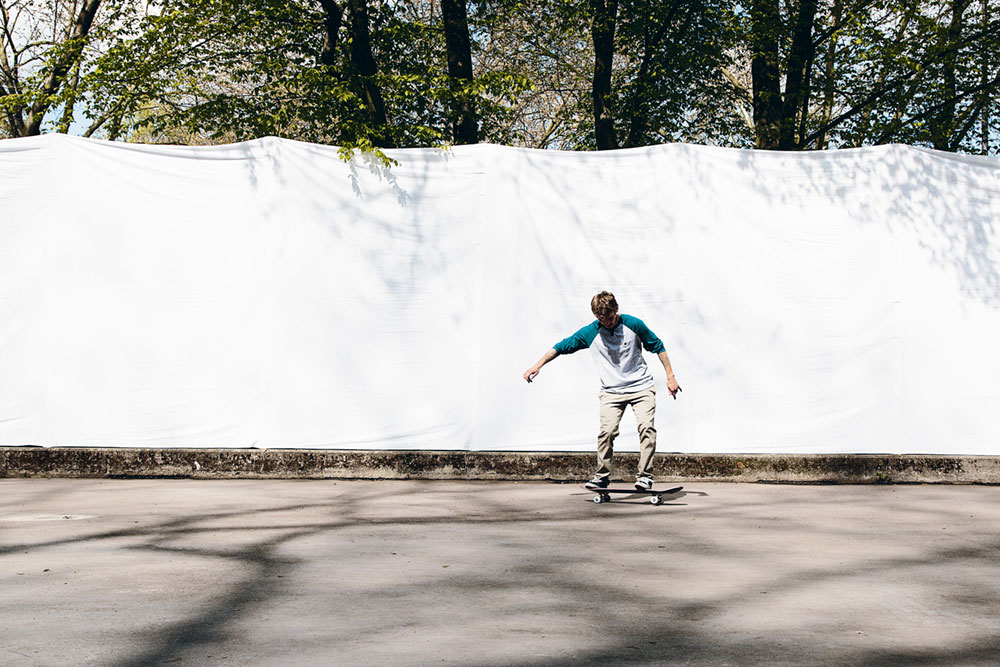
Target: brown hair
604, 304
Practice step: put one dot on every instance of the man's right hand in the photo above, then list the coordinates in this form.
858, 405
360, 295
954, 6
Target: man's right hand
530, 374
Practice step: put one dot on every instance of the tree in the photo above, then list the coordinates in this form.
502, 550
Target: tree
364, 63
671, 53
604, 18
357, 73
458, 44
548, 45
44, 46
953, 89
670, 85
571, 74
859, 72
623, 73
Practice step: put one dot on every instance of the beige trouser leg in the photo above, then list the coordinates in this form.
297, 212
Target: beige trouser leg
612, 408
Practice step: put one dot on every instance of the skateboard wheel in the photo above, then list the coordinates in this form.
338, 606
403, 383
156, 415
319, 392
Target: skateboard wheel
656, 500
598, 499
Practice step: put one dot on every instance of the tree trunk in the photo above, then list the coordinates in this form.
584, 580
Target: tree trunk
69, 56
15, 117
943, 123
638, 109
364, 62
68, 110
8, 77
984, 115
333, 19
830, 73
764, 73
458, 44
796, 79
804, 99
605, 16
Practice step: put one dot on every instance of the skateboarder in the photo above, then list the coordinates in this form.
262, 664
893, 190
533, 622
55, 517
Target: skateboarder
616, 342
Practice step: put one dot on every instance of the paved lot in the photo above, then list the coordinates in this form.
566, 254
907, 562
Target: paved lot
152, 572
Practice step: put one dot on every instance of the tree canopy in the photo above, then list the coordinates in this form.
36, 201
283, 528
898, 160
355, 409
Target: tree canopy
570, 74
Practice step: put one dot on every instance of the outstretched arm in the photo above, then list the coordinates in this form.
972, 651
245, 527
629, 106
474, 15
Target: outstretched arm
672, 385
530, 374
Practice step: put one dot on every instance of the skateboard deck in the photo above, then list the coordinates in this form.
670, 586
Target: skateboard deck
655, 495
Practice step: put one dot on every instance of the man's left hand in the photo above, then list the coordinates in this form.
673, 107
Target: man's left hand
673, 387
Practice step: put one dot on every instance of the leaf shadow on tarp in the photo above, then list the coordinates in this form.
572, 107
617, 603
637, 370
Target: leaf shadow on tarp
521, 604
947, 202
410, 276
618, 220
377, 256
821, 338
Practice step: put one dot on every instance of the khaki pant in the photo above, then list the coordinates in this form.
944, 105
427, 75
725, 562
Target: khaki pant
612, 408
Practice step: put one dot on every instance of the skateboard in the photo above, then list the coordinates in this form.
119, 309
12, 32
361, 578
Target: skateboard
655, 495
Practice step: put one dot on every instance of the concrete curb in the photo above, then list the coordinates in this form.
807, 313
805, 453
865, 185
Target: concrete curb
381, 464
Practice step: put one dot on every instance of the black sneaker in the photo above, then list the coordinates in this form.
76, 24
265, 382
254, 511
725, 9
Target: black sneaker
644, 484
598, 482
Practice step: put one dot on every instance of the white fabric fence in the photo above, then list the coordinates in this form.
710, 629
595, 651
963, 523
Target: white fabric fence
268, 294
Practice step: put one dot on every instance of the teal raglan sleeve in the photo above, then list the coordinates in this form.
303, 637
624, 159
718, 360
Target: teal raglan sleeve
650, 342
581, 340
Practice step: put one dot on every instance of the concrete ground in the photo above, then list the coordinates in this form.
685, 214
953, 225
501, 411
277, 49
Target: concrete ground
297, 572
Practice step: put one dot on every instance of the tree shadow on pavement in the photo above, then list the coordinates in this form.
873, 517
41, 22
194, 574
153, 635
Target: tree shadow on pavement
420, 573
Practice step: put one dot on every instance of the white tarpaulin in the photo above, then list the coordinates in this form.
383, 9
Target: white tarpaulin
269, 294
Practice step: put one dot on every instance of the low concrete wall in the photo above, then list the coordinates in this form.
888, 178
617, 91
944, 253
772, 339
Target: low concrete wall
380, 464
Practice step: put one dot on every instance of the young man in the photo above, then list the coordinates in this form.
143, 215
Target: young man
616, 342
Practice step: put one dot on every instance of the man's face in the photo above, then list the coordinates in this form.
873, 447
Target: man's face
608, 321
